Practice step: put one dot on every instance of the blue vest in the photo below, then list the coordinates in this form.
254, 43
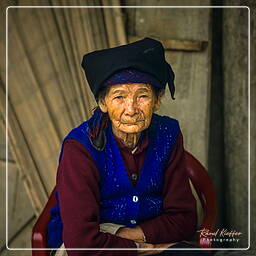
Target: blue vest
121, 201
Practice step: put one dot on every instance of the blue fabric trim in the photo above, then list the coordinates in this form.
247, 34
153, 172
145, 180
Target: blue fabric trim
132, 75
55, 227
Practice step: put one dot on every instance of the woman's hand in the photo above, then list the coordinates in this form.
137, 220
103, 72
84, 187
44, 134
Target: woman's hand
136, 234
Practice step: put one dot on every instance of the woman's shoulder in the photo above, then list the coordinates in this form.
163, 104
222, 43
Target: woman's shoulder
79, 134
73, 144
81, 129
75, 141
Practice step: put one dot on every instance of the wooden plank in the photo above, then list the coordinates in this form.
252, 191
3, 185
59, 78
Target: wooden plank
176, 44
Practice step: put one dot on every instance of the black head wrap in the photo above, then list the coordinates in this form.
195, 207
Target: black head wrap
146, 55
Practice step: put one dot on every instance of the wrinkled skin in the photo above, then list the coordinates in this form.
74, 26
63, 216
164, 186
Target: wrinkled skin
130, 108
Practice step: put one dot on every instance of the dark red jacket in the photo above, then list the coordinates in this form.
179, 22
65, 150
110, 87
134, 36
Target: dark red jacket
78, 188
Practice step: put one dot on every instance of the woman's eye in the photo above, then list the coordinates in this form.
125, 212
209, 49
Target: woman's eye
143, 96
119, 97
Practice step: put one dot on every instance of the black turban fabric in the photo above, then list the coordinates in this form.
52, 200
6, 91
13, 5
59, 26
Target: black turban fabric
146, 55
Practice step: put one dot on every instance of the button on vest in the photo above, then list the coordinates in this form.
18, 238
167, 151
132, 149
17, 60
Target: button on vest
135, 199
133, 221
134, 176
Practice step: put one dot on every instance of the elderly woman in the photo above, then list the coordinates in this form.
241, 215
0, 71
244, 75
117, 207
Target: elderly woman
121, 180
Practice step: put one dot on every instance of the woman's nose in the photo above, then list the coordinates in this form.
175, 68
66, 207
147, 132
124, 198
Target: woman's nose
131, 107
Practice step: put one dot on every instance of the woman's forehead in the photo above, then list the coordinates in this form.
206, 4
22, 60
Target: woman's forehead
130, 87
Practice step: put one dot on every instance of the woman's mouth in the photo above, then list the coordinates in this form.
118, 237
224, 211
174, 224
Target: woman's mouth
132, 123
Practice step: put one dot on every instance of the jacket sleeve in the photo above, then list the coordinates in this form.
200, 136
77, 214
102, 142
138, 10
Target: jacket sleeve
79, 198
179, 218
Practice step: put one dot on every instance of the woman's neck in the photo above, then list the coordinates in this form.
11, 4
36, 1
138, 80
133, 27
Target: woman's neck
130, 140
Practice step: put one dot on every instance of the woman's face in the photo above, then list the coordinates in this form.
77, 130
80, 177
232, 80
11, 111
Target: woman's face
130, 106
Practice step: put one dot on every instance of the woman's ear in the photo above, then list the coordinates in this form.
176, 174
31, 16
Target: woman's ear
158, 100
157, 104
103, 106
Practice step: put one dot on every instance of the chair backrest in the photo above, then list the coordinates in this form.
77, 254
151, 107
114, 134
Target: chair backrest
199, 178
206, 193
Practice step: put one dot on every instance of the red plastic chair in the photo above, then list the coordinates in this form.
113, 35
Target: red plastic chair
206, 193
200, 180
